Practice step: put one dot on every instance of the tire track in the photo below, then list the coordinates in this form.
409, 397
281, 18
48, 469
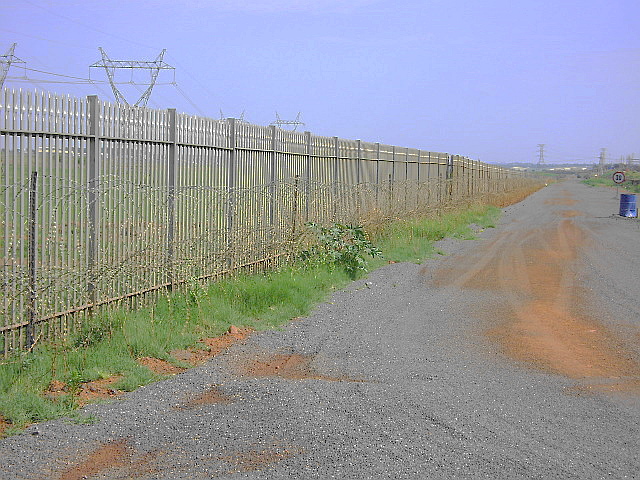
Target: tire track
542, 316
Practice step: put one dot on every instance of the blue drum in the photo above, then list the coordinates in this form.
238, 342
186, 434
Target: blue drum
628, 205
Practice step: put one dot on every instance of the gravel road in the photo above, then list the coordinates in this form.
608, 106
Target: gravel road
516, 356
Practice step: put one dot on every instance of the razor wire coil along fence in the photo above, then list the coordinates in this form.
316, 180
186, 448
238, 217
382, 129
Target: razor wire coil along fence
104, 202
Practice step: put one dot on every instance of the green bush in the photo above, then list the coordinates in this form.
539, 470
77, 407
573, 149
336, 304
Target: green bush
340, 246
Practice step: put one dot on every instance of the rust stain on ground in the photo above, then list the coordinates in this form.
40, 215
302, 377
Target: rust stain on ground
212, 396
99, 389
570, 213
565, 199
4, 425
86, 392
217, 345
260, 458
289, 366
193, 356
567, 202
102, 389
159, 366
115, 459
543, 316
107, 456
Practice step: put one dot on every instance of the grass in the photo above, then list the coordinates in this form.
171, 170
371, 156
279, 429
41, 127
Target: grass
412, 240
606, 181
111, 344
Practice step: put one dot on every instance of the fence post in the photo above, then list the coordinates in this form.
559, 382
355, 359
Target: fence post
392, 176
467, 173
377, 174
272, 178
359, 160
393, 163
450, 165
471, 175
296, 195
231, 182
307, 187
474, 183
171, 186
357, 191
32, 259
336, 170
485, 177
428, 178
93, 155
439, 187
406, 174
418, 187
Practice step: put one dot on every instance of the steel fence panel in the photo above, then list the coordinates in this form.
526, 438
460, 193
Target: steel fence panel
130, 200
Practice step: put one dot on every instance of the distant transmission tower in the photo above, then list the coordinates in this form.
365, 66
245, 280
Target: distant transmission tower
278, 122
110, 66
5, 63
541, 154
224, 117
603, 160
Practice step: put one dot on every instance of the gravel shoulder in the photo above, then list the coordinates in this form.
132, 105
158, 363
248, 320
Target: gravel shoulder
394, 377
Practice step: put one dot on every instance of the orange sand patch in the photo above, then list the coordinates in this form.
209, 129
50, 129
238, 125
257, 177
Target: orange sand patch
214, 346
4, 425
212, 396
289, 366
116, 459
571, 213
542, 316
161, 367
258, 459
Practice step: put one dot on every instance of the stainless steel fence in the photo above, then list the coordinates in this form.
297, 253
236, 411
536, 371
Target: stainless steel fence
102, 202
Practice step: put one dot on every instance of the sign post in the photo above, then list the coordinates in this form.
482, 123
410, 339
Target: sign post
618, 178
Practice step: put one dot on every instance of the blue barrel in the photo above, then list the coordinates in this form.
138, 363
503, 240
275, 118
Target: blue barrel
628, 205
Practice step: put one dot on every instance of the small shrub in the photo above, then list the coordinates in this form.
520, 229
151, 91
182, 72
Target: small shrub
340, 246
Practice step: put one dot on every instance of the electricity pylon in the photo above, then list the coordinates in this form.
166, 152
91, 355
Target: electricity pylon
541, 154
5, 63
602, 160
224, 117
278, 122
111, 65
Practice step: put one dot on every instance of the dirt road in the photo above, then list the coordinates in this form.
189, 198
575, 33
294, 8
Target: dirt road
517, 356
549, 317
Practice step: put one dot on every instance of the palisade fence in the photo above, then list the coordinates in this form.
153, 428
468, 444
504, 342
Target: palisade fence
104, 202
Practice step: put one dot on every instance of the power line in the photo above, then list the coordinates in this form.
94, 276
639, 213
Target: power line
89, 27
97, 83
9, 59
28, 35
124, 39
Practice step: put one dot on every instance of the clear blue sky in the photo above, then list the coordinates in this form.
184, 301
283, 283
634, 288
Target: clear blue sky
489, 79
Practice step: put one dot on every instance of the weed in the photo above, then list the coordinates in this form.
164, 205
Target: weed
341, 246
81, 419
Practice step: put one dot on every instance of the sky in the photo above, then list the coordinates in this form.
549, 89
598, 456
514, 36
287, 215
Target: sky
488, 79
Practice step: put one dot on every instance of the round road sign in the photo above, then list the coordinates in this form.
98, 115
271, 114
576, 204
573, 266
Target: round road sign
618, 177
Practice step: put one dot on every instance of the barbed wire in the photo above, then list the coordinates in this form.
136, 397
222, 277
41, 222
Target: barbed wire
214, 228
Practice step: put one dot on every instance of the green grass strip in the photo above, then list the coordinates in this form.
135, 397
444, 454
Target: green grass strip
111, 343
606, 180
